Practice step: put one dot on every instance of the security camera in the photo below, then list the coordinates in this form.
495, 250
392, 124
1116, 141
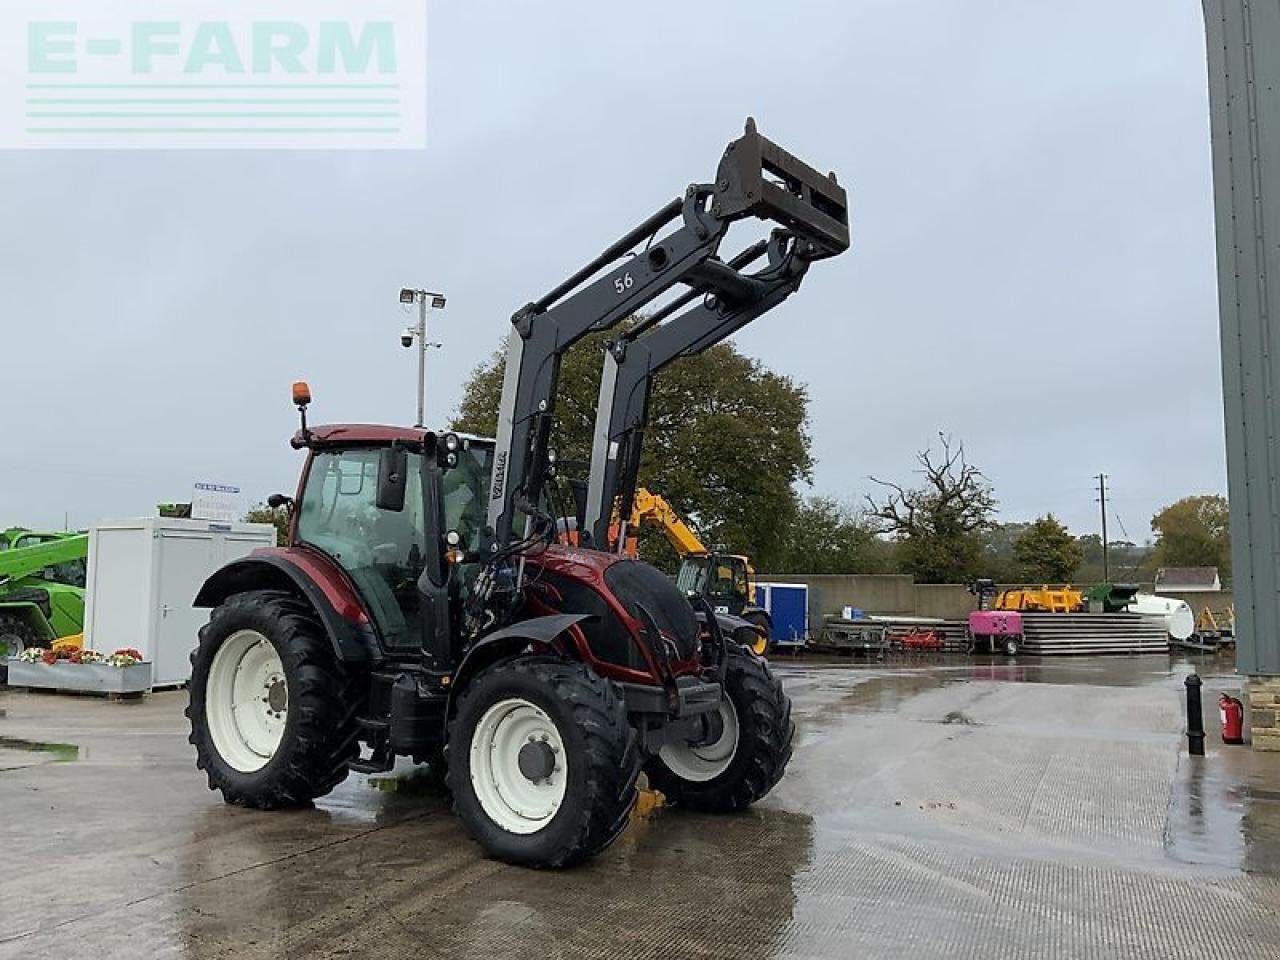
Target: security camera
406, 338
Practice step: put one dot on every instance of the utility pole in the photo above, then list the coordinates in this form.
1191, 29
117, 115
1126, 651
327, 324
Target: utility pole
1102, 499
424, 299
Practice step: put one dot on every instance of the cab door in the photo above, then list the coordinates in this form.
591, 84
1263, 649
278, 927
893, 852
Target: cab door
382, 551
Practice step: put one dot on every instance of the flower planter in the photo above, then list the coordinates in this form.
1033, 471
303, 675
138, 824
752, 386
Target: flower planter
80, 677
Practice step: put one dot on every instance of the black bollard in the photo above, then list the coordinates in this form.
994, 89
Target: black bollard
1195, 717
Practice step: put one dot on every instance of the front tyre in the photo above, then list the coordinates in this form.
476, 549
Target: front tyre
273, 713
747, 752
542, 763
16, 635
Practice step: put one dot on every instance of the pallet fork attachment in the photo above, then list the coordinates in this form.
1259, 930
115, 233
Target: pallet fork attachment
637, 356
756, 178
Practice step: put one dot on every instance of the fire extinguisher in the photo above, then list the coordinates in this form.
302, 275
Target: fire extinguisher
1232, 712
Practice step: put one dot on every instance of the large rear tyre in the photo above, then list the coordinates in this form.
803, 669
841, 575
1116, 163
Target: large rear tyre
273, 713
542, 762
746, 758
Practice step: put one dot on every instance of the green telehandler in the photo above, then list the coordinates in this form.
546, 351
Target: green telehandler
36, 607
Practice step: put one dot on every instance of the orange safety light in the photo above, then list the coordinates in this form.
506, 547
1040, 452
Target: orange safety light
301, 393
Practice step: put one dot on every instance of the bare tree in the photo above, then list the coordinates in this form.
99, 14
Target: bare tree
938, 521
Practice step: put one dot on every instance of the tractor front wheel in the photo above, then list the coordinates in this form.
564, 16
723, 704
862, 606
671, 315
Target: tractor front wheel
542, 763
273, 713
16, 635
747, 752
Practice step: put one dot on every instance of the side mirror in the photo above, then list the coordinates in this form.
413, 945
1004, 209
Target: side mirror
393, 465
278, 500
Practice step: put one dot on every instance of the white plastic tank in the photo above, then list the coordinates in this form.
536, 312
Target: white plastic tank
1177, 613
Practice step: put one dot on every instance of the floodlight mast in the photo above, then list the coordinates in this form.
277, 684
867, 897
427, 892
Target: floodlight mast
812, 209
425, 300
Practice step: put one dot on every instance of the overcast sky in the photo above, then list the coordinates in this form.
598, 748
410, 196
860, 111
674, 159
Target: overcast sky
1032, 267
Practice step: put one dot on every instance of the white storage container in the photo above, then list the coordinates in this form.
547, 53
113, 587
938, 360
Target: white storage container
143, 576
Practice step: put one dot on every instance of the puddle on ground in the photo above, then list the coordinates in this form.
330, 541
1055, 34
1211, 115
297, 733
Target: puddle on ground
678, 883
1116, 671
1221, 814
61, 752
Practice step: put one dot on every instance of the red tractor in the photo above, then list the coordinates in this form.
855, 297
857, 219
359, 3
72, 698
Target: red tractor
423, 607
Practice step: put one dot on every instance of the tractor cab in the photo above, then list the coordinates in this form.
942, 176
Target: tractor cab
395, 508
720, 577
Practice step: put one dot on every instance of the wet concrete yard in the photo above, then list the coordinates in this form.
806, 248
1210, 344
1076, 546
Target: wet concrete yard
933, 809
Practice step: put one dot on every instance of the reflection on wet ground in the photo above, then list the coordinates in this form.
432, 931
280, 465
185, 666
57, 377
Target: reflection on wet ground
1225, 811
934, 808
17, 752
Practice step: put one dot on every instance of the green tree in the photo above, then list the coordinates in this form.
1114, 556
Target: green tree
999, 562
829, 537
279, 518
1047, 553
939, 526
726, 440
1194, 532
1126, 561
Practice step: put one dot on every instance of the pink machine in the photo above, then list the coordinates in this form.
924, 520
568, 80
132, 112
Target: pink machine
997, 630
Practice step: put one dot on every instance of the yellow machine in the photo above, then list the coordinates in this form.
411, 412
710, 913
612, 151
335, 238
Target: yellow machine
653, 509
1044, 599
727, 580
1209, 624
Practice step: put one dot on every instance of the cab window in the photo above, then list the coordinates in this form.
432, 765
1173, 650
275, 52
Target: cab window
381, 550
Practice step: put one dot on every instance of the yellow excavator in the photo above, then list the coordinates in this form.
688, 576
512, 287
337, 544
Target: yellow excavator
726, 580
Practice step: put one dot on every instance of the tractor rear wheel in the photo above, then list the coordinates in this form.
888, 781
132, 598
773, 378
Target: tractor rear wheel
273, 713
542, 762
746, 756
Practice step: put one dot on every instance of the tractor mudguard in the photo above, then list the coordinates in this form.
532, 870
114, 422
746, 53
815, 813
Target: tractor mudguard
507, 642
353, 640
729, 624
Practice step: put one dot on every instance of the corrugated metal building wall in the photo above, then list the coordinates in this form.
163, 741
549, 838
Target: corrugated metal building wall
1244, 95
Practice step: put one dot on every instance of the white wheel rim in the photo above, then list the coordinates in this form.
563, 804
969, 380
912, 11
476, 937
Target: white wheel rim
14, 642
246, 701
508, 797
704, 762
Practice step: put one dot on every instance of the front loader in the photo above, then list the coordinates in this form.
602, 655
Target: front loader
422, 607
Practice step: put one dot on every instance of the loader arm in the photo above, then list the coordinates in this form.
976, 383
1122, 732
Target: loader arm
24, 561
634, 359
756, 178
